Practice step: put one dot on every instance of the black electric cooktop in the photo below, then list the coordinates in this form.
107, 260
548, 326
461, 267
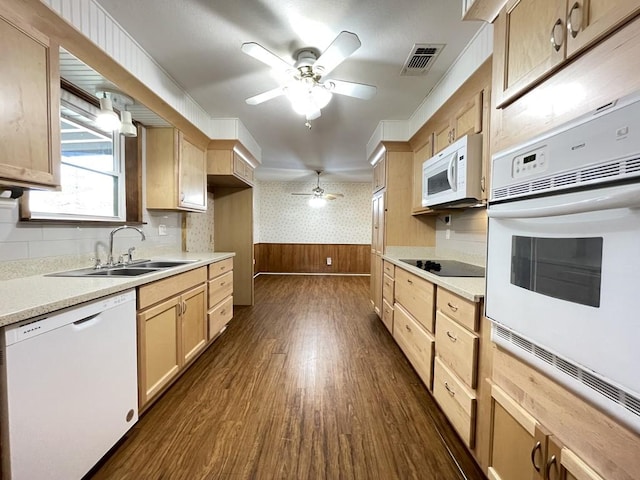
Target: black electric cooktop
447, 268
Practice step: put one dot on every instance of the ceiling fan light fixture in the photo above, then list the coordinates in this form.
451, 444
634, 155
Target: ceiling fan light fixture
307, 99
317, 202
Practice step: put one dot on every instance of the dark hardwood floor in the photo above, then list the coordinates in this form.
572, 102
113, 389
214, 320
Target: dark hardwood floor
307, 384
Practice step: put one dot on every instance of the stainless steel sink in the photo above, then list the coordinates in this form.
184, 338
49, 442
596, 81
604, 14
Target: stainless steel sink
122, 272
163, 263
140, 267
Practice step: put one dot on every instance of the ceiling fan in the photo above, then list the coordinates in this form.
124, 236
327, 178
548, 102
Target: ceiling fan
308, 88
318, 192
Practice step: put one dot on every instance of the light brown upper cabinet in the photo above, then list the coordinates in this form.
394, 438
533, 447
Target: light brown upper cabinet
532, 38
229, 164
30, 107
176, 175
467, 119
380, 174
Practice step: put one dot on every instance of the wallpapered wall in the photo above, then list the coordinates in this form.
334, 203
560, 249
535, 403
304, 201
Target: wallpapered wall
200, 229
286, 218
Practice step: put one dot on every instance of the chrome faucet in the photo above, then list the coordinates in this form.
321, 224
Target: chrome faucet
113, 232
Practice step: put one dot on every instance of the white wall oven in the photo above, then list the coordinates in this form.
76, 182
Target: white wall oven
563, 263
452, 176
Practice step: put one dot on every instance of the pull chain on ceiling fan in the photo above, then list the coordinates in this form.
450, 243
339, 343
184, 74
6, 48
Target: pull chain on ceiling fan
308, 90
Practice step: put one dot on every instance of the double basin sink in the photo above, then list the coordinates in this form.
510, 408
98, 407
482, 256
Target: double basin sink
138, 267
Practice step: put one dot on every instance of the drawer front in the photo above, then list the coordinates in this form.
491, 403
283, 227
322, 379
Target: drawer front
461, 310
219, 288
220, 316
458, 348
170, 286
389, 268
387, 315
417, 296
387, 288
218, 268
456, 400
416, 343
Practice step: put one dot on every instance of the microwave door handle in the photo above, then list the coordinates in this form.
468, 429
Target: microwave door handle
623, 197
452, 173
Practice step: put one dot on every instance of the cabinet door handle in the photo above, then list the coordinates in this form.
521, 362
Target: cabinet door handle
453, 338
537, 448
551, 464
451, 392
557, 44
452, 307
184, 307
574, 25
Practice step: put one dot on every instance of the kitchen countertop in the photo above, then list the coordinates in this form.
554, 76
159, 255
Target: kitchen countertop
471, 288
33, 296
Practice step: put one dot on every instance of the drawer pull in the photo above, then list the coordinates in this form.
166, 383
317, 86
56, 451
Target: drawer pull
409, 282
408, 329
453, 338
451, 392
222, 267
222, 312
537, 448
452, 307
551, 464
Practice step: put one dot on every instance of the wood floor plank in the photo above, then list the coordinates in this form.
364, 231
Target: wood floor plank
306, 384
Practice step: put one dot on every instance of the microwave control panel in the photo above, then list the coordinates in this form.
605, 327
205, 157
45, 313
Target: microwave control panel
531, 163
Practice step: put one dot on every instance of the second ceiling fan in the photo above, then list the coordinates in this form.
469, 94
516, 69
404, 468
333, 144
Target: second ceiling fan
308, 89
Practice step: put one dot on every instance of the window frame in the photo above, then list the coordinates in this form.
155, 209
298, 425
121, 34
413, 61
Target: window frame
90, 111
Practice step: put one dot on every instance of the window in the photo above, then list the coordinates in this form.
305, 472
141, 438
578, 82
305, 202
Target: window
92, 178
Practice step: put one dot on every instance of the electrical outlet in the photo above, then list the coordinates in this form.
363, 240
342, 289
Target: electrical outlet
162, 230
447, 234
328, 260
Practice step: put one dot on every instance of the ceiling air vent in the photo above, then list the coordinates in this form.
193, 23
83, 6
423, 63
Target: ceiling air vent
420, 59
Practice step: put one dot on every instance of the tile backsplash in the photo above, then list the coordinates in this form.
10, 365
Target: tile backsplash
35, 247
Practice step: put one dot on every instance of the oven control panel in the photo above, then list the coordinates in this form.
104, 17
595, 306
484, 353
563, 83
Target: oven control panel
531, 163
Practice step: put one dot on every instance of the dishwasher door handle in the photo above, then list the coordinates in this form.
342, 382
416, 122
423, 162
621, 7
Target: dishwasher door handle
83, 321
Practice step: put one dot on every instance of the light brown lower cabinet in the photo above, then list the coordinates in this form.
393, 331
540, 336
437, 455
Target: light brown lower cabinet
415, 341
521, 448
220, 287
172, 330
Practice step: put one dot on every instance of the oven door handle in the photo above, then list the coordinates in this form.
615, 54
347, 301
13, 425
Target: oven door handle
452, 172
623, 197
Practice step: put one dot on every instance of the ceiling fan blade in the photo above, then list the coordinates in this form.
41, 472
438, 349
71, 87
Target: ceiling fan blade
307, 194
313, 115
264, 96
332, 196
344, 45
258, 52
351, 89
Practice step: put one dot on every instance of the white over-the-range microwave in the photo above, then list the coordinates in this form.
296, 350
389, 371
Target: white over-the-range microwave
452, 177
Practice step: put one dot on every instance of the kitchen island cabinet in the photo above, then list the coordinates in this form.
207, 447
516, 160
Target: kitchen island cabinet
30, 120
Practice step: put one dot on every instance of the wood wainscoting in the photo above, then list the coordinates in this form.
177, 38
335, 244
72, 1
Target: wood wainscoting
312, 258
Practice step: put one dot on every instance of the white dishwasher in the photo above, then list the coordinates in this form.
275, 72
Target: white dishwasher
69, 388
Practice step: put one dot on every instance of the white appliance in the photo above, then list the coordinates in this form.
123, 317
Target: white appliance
69, 388
452, 177
563, 263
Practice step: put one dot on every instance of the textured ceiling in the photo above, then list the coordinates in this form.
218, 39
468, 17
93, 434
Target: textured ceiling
198, 43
